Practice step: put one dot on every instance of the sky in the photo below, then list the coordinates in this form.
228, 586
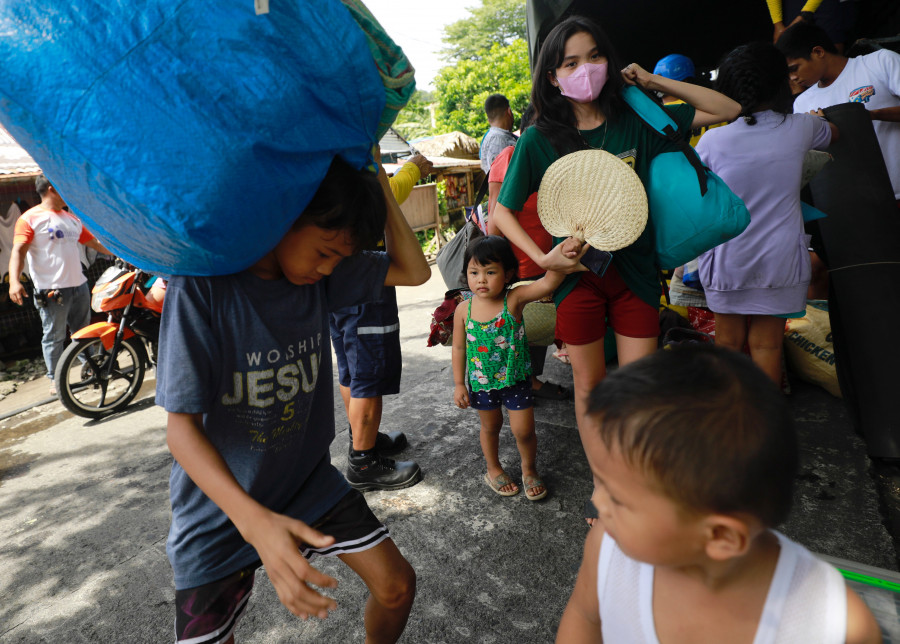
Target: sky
417, 26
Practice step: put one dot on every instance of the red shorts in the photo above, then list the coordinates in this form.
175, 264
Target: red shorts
581, 316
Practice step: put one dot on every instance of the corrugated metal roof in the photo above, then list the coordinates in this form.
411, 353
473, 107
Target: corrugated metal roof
392, 143
13, 159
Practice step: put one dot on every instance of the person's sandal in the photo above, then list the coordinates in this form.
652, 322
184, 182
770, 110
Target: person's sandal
500, 481
562, 355
531, 482
551, 391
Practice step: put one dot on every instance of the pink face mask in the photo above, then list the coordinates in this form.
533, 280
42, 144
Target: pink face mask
585, 83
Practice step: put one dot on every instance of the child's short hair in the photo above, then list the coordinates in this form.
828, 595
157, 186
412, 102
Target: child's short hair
755, 74
495, 106
491, 248
350, 200
707, 427
799, 40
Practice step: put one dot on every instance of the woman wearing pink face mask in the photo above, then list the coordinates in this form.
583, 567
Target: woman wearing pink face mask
576, 92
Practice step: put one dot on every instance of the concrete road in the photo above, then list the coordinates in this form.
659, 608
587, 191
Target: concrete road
84, 515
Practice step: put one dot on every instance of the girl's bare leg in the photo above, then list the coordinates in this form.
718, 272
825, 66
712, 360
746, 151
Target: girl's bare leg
491, 423
521, 422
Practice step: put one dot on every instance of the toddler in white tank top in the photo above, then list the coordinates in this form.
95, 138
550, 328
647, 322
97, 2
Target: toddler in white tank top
694, 456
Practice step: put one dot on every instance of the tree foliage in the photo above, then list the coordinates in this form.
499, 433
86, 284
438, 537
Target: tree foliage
487, 54
495, 22
414, 120
460, 90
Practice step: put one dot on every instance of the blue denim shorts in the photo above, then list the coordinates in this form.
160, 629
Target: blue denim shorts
515, 397
366, 340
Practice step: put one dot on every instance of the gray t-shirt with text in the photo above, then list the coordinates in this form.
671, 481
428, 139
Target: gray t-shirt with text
253, 356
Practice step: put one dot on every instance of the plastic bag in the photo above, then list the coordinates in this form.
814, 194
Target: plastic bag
450, 257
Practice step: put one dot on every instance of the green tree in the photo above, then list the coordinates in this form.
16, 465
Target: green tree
414, 120
460, 90
495, 22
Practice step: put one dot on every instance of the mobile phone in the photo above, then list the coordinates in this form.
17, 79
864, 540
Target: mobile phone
597, 261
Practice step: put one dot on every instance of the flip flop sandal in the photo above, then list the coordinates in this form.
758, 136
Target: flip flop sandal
531, 482
562, 355
551, 391
499, 481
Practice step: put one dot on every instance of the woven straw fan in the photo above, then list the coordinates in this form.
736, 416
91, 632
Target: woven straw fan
594, 196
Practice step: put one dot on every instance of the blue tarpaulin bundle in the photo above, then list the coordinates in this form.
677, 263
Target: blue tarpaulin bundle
188, 135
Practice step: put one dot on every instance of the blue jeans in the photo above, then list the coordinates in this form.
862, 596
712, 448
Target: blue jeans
75, 311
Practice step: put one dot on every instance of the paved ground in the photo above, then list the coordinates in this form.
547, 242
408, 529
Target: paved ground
84, 514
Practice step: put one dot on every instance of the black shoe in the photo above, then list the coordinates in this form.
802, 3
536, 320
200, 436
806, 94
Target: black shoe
386, 444
380, 473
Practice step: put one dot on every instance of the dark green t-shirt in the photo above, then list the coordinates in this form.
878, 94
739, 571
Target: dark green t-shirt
630, 140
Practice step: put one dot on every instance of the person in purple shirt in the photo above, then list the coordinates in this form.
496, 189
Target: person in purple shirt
760, 277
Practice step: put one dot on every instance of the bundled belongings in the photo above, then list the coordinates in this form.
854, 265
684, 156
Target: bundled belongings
197, 127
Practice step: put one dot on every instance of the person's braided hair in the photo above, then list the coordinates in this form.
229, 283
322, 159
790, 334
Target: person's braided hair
756, 76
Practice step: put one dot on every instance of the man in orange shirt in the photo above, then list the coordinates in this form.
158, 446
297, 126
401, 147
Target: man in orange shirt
47, 236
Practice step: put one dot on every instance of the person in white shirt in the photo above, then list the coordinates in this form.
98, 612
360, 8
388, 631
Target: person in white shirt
873, 80
47, 236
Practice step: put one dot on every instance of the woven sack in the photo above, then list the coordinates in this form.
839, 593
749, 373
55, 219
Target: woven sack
539, 319
540, 323
809, 350
594, 196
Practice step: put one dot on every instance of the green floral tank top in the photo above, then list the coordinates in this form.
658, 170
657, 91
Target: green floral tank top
496, 351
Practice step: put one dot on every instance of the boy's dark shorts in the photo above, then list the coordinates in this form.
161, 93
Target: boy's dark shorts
366, 341
515, 397
208, 614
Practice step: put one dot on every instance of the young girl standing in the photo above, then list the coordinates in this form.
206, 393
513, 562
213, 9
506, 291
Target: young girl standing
491, 363
760, 277
576, 90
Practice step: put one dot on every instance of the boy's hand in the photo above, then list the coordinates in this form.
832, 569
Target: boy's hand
461, 396
276, 538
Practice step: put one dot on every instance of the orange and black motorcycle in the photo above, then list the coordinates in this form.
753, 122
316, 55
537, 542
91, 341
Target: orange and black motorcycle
102, 369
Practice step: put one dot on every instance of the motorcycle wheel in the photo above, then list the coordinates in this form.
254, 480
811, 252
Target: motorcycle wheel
81, 376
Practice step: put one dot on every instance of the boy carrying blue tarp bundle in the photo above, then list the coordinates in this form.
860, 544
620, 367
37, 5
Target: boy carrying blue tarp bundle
245, 374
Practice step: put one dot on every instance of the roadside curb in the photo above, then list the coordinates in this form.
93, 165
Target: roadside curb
19, 417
